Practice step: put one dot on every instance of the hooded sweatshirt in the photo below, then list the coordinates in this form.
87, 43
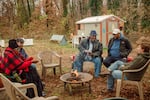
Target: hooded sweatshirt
137, 63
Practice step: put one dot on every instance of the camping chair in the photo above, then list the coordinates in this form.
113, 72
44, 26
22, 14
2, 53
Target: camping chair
49, 59
120, 82
14, 92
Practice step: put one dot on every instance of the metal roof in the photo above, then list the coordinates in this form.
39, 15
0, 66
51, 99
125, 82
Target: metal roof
97, 19
57, 37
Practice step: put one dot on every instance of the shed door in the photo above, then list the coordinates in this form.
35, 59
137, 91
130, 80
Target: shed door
111, 25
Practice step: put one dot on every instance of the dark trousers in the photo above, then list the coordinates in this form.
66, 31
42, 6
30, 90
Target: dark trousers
33, 77
109, 60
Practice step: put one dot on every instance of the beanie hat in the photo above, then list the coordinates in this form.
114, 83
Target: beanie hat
12, 44
93, 33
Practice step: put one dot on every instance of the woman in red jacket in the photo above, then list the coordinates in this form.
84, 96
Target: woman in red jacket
14, 62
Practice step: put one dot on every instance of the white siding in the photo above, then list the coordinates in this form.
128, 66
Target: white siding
104, 34
89, 27
111, 26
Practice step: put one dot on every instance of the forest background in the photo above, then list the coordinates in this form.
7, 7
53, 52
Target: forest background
42, 18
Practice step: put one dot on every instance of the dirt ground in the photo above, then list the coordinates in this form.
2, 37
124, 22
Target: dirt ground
54, 86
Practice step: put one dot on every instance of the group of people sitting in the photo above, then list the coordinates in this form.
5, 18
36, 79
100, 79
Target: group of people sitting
16, 61
119, 47
19, 67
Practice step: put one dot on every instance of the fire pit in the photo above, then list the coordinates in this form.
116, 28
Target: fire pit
70, 78
74, 76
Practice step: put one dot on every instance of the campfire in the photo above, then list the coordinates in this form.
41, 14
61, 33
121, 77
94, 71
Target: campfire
74, 76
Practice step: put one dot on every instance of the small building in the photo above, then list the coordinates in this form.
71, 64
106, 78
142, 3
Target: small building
28, 42
2, 43
59, 39
102, 24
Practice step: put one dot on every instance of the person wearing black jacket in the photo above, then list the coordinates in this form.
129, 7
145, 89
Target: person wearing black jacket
143, 55
118, 48
90, 49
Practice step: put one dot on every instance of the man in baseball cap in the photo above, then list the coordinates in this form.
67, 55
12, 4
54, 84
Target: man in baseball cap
90, 49
93, 33
116, 31
118, 48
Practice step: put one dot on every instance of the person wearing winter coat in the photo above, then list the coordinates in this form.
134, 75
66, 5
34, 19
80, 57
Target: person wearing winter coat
119, 48
90, 49
115, 69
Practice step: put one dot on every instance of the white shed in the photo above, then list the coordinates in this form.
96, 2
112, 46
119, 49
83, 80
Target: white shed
102, 24
2, 43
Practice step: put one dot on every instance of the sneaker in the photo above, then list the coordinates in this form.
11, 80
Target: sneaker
43, 94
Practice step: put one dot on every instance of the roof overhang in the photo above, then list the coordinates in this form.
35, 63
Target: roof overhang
97, 19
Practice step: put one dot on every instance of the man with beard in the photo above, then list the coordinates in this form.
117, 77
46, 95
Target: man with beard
90, 49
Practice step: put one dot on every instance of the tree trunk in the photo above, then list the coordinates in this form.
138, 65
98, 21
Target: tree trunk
29, 9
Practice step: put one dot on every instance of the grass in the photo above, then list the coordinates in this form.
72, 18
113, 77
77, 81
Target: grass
54, 86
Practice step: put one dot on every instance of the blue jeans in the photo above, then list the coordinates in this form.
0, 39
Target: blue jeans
115, 65
116, 74
78, 64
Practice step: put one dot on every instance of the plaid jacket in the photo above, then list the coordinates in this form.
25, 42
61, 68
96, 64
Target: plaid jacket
12, 61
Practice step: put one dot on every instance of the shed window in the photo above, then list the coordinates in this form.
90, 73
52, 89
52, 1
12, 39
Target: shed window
79, 26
